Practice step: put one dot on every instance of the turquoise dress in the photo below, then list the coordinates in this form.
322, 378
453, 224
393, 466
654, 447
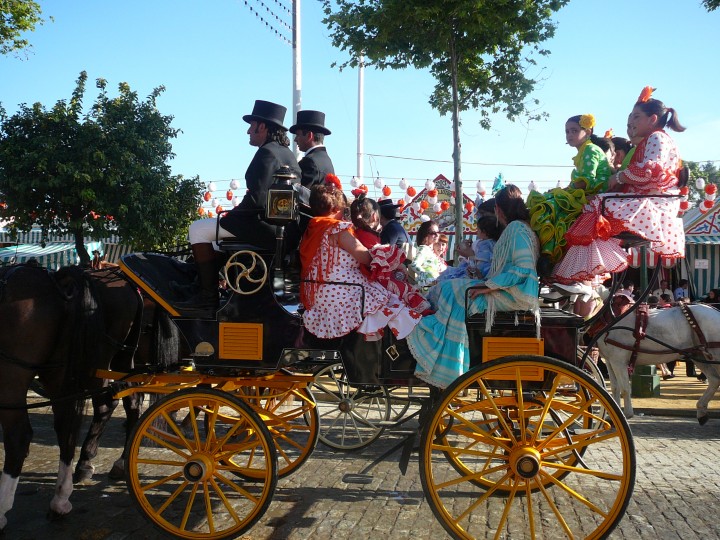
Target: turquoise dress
440, 342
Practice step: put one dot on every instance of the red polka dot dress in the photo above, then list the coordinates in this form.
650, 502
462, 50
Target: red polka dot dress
594, 250
351, 302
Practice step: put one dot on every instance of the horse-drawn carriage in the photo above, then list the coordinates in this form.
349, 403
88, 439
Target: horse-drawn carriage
525, 443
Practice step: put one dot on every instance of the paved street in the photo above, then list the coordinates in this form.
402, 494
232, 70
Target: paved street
676, 495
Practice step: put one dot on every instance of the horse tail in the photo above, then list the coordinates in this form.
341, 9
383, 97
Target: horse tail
124, 358
84, 327
166, 339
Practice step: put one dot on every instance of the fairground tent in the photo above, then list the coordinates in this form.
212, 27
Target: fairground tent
52, 256
702, 248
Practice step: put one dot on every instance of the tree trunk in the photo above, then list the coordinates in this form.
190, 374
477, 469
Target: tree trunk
80, 248
459, 206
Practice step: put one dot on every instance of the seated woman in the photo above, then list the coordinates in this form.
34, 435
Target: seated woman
426, 266
330, 253
653, 170
440, 342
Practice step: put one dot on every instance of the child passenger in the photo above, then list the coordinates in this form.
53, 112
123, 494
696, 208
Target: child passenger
387, 268
478, 254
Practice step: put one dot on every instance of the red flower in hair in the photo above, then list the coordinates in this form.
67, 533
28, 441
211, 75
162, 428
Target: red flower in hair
334, 180
646, 94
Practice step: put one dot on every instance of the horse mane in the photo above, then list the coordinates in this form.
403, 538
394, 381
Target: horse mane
166, 339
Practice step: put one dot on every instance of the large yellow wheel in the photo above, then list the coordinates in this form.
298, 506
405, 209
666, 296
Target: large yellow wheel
291, 417
186, 461
529, 460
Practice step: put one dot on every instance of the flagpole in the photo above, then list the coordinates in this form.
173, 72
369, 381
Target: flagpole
360, 118
297, 66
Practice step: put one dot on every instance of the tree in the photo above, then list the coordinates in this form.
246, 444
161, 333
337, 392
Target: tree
711, 5
16, 17
478, 52
95, 174
705, 170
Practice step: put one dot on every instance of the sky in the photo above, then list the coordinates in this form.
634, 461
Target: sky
216, 58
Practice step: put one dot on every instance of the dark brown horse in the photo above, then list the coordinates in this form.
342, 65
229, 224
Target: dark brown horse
60, 328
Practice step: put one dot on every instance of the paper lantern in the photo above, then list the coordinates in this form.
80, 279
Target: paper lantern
424, 218
432, 193
236, 201
684, 191
480, 188
229, 195
354, 182
411, 191
218, 208
444, 205
215, 202
386, 191
684, 205
403, 184
401, 202
708, 204
700, 183
416, 206
378, 183
452, 199
710, 189
432, 200
210, 214
532, 186
212, 186
424, 205
234, 184
469, 206
207, 196
201, 211
429, 185
437, 208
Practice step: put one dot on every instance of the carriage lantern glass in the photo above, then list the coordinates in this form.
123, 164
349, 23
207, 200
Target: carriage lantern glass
281, 199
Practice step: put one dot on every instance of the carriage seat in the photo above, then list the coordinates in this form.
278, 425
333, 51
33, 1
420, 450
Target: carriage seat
237, 244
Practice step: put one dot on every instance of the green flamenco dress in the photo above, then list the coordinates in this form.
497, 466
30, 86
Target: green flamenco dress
552, 212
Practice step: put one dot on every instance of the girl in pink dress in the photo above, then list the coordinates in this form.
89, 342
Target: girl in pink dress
337, 296
653, 170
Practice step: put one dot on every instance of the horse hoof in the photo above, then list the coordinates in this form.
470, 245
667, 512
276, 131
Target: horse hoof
703, 419
52, 515
83, 474
116, 473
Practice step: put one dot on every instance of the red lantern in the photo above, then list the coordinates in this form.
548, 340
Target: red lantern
218, 209
708, 204
424, 205
229, 195
432, 193
684, 205
684, 191
469, 206
387, 191
411, 191
207, 196
710, 189
209, 214
401, 202
444, 205
201, 211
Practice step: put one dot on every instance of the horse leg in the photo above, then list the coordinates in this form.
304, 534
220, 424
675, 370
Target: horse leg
621, 386
132, 405
67, 424
17, 434
103, 407
713, 380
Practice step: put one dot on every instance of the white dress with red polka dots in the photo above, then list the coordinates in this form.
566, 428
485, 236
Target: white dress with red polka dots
593, 248
352, 302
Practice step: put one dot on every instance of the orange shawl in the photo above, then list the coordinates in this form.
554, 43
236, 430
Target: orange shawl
310, 259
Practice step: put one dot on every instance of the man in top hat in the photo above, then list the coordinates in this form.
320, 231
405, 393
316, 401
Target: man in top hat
393, 232
245, 220
310, 131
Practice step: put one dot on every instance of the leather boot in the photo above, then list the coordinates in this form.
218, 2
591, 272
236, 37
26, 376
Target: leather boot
205, 302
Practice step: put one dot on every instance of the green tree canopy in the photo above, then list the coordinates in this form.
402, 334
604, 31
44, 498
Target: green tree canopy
16, 17
711, 5
478, 51
705, 170
97, 173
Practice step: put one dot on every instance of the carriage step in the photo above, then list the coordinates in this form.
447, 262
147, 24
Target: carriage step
357, 478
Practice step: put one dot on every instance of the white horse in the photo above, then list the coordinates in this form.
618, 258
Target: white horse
671, 328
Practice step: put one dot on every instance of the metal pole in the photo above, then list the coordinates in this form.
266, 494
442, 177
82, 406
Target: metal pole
360, 118
297, 65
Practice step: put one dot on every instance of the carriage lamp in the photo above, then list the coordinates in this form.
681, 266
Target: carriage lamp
281, 202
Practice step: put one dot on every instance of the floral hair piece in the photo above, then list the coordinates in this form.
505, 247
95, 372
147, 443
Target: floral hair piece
609, 134
334, 180
646, 94
587, 121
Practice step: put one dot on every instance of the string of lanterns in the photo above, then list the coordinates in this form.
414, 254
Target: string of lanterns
704, 207
215, 201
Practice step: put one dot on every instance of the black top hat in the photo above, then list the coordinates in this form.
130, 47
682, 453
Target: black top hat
388, 209
268, 112
312, 120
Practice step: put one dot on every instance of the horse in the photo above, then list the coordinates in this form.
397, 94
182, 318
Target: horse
669, 333
158, 346
54, 327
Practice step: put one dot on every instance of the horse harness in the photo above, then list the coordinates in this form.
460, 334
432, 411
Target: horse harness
641, 321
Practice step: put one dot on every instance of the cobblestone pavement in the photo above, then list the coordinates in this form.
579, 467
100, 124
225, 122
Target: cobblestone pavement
676, 494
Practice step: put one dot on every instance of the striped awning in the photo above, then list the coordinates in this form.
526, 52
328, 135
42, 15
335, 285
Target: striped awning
651, 259
702, 239
52, 256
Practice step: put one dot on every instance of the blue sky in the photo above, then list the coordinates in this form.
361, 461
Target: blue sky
216, 58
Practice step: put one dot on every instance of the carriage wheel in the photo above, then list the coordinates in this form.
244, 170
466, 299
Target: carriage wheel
532, 460
187, 477
291, 417
350, 416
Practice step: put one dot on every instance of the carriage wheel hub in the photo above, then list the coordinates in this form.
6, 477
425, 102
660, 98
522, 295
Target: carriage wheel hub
198, 468
346, 405
525, 462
